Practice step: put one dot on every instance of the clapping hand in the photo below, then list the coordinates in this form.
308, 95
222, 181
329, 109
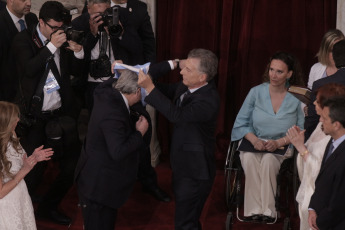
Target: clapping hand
296, 136
41, 154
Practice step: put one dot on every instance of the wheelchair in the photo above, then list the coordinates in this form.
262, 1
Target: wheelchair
234, 180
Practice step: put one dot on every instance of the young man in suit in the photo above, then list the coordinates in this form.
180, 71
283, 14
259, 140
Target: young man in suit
193, 106
43, 66
326, 208
108, 165
13, 19
338, 54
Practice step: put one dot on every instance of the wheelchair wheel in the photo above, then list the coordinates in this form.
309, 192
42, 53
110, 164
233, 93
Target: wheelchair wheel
232, 176
295, 181
229, 221
287, 224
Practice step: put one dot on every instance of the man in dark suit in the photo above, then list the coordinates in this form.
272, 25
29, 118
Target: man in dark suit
338, 54
326, 208
16, 17
44, 76
107, 168
192, 105
129, 49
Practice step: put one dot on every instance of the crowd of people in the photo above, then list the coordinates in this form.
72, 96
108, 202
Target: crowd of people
271, 119
48, 75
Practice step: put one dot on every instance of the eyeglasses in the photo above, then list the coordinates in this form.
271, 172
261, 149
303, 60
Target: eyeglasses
52, 27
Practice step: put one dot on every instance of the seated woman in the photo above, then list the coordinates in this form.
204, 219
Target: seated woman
266, 114
311, 153
16, 210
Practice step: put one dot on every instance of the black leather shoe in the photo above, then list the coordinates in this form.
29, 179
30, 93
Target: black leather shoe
55, 216
159, 194
268, 219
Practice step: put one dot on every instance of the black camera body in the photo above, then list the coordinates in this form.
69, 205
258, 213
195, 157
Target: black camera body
110, 18
74, 35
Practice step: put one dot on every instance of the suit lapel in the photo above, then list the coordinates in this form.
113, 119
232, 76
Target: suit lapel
11, 27
338, 151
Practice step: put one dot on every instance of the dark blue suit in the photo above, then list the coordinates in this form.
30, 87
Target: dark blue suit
192, 146
108, 165
8, 77
328, 199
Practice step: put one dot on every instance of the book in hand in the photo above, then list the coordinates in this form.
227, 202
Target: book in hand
246, 146
301, 93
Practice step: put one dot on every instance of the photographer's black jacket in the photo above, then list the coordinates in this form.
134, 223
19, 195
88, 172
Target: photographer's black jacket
137, 43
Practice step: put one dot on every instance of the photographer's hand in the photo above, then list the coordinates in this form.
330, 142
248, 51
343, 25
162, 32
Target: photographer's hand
74, 46
95, 21
58, 38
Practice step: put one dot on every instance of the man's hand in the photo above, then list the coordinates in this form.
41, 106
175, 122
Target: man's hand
72, 45
142, 125
113, 65
145, 81
58, 38
95, 21
312, 220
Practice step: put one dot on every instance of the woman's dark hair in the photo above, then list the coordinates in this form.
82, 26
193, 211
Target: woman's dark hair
292, 64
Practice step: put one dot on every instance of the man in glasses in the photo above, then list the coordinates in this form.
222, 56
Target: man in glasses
14, 18
43, 66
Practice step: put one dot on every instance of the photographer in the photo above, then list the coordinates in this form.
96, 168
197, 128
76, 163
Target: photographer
43, 67
96, 23
131, 39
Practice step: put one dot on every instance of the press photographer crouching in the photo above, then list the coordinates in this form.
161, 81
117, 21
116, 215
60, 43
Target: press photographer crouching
46, 97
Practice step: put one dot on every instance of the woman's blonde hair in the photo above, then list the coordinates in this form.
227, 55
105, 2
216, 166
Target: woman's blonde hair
9, 113
328, 40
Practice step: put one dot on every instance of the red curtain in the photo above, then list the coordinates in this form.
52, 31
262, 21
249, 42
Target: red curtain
243, 34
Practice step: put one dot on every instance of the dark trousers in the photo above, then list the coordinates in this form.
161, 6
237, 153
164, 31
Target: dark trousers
190, 195
97, 216
67, 161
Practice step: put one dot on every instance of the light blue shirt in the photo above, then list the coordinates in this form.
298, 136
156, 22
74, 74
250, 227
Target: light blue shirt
257, 116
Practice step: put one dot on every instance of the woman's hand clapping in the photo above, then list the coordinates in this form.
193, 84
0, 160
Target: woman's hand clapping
41, 154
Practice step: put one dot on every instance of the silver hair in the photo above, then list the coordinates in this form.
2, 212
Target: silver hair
208, 62
127, 82
90, 2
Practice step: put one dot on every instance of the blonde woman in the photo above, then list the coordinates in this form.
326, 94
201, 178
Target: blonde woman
16, 211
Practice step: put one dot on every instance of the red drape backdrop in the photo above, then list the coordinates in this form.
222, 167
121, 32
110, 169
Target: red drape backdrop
243, 34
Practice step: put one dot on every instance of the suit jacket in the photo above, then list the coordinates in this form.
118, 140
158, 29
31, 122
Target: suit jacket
328, 199
193, 140
312, 119
31, 62
107, 168
8, 78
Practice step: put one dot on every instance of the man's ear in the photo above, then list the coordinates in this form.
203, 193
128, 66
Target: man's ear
203, 77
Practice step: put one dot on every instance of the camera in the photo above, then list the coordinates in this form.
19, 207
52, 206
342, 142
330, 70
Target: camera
110, 18
74, 35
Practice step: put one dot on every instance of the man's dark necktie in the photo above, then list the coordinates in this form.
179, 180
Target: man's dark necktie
329, 152
180, 99
22, 24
